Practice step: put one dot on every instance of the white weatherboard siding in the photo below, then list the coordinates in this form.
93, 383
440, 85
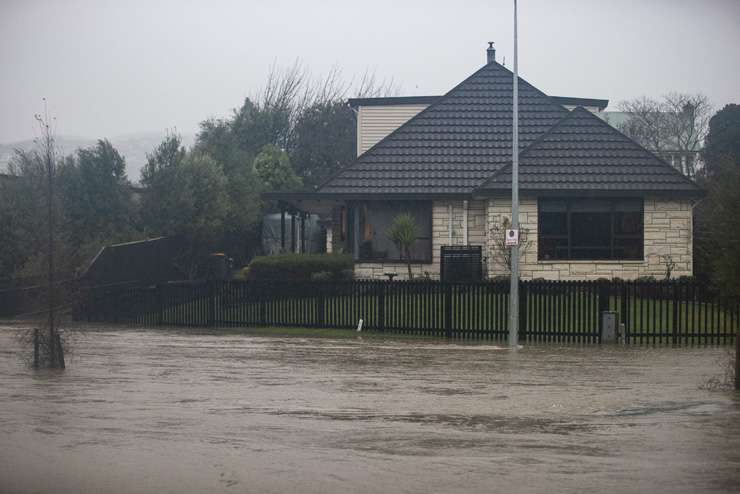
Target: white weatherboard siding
376, 122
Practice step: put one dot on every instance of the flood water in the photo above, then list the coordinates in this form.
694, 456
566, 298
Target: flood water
171, 411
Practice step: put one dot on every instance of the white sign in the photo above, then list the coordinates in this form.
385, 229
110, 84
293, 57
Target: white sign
512, 237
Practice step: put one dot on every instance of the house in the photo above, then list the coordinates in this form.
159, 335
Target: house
593, 203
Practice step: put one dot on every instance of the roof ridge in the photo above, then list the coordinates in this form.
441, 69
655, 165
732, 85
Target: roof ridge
532, 145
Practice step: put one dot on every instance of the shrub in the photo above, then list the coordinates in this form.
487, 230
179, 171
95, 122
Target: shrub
300, 267
647, 279
322, 276
240, 274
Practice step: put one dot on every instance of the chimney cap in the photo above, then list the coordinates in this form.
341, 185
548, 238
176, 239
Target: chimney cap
490, 53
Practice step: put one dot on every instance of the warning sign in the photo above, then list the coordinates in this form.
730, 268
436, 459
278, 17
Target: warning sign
512, 237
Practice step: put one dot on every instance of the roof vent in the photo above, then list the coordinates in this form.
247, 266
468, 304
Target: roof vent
490, 53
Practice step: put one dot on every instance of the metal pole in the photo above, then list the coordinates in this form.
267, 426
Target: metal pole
514, 291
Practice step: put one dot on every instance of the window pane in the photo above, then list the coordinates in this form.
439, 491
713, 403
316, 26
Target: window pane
375, 221
628, 248
553, 223
590, 253
628, 223
590, 230
591, 205
628, 205
553, 205
553, 248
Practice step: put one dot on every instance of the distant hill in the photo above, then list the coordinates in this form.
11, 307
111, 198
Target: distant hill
133, 147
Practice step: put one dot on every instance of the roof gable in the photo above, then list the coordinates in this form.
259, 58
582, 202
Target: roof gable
456, 143
582, 152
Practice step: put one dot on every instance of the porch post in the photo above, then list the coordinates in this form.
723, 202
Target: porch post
292, 233
303, 233
356, 233
282, 228
329, 239
466, 241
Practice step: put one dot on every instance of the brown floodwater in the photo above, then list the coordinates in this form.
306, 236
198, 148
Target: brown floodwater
168, 411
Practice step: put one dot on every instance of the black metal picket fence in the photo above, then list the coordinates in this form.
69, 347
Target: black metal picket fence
550, 311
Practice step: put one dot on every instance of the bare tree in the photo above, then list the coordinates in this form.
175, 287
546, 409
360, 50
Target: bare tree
289, 91
673, 127
501, 252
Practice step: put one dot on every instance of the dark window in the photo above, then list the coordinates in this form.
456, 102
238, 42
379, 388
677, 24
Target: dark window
590, 229
376, 218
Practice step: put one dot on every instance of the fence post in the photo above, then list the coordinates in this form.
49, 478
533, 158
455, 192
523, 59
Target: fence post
448, 310
320, 317
523, 296
381, 306
675, 316
212, 303
262, 307
160, 305
623, 310
603, 305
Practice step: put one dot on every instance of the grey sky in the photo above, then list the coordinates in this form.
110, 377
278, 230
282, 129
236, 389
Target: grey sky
116, 67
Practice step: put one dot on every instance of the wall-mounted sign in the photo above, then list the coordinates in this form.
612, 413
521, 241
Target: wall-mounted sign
512, 237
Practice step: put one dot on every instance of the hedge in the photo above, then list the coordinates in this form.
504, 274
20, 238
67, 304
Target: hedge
300, 267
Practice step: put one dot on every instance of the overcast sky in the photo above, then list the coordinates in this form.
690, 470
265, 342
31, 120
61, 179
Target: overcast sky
118, 67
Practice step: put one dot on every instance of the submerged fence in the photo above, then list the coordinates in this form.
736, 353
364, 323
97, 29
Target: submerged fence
552, 311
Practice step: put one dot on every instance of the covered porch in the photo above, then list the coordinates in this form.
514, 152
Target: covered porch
358, 226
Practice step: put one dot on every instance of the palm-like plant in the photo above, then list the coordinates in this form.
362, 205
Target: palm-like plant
403, 233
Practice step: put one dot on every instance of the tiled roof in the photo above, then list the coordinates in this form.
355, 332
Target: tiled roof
461, 143
456, 143
582, 152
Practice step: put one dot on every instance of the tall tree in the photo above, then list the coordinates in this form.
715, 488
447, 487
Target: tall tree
169, 153
325, 141
189, 200
723, 139
272, 166
717, 230
96, 200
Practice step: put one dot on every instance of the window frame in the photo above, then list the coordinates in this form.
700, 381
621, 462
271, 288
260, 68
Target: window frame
568, 237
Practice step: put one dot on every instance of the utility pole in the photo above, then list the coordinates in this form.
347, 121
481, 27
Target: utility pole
514, 290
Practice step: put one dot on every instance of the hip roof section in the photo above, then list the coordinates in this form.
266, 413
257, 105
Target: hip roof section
455, 144
582, 152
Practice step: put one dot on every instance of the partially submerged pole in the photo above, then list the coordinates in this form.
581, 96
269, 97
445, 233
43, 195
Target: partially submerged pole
514, 290
737, 360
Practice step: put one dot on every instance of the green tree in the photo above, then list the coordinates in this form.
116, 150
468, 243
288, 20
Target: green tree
168, 154
96, 201
717, 225
403, 233
324, 141
272, 166
24, 216
189, 200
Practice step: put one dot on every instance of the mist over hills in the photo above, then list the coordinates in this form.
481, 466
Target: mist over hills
133, 147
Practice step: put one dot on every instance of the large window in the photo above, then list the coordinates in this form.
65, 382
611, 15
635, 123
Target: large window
375, 219
590, 229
